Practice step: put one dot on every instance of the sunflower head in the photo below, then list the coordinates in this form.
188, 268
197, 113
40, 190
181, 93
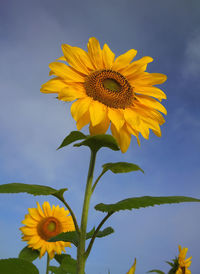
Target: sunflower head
43, 223
183, 263
109, 91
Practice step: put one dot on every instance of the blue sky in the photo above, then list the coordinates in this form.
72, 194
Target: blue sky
32, 126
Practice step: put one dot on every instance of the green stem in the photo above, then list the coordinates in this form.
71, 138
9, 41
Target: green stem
95, 233
48, 261
81, 258
95, 184
61, 198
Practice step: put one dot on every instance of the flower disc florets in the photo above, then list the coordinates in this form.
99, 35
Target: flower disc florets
110, 88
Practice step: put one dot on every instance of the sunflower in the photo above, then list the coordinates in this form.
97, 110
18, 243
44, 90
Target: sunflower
109, 91
43, 223
183, 263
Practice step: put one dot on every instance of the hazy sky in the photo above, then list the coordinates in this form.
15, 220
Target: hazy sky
33, 125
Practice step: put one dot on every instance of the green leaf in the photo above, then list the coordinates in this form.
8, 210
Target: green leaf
71, 236
29, 254
67, 264
30, 189
98, 141
121, 167
144, 201
72, 137
156, 271
17, 266
107, 231
57, 270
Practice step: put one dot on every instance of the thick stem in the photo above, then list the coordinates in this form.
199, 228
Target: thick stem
48, 260
81, 258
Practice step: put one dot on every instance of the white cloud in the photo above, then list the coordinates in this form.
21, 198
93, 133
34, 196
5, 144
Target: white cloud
192, 56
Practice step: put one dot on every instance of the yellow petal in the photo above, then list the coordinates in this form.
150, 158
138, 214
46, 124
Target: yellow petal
151, 103
150, 91
71, 93
123, 137
77, 58
34, 214
108, 57
134, 67
65, 72
97, 112
134, 132
30, 222
101, 128
123, 60
146, 78
53, 86
116, 116
42, 250
40, 210
47, 209
80, 107
62, 58
83, 121
29, 231
132, 269
132, 117
95, 53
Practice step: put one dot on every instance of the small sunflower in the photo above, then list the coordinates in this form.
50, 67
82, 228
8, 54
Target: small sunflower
42, 224
109, 91
183, 263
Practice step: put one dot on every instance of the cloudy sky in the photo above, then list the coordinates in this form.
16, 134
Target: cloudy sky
33, 124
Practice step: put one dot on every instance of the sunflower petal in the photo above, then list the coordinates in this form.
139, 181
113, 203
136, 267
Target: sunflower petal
65, 72
116, 117
80, 107
71, 93
77, 58
47, 209
150, 91
108, 57
97, 112
146, 78
134, 67
101, 128
123, 60
151, 103
95, 53
53, 86
83, 121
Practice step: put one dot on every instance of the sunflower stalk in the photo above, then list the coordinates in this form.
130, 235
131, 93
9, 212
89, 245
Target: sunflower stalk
81, 256
48, 261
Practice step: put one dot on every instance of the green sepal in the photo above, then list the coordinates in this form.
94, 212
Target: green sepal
28, 254
121, 167
16, 265
70, 236
68, 265
156, 271
72, 137
105, 232
144, 201
98, 141
30, 189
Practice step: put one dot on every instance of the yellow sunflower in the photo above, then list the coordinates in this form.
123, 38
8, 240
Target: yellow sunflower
183, 263
43, 223
109, 91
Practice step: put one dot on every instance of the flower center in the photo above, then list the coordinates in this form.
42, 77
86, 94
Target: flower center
110, 88
49, 227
